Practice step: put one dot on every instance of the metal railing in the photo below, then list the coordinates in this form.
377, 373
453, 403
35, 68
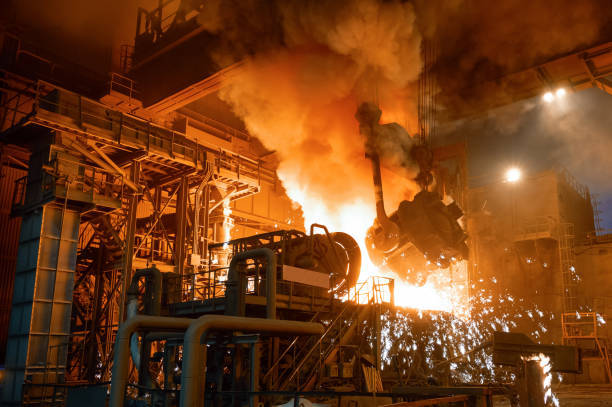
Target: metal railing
581, 329
578, 325
111, 124
569, 179
208, 285
200, 286
154, 247
374, 290
55, 393
122, 84
54, 106
85, 183
538, 227
154, 23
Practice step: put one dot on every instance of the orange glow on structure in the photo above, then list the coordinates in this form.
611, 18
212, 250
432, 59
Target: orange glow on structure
444, 290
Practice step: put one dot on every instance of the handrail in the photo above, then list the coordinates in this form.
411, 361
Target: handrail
291, 345
139, 130
305, 358
349, 301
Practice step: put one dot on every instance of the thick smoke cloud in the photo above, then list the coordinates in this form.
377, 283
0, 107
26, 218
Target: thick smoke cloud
572, 133
580, 138
315, 60
299, 98
481, 40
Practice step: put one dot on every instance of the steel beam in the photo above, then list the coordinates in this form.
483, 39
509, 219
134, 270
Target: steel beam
128, 255
181, 222
102, 163
432, 402
115, 167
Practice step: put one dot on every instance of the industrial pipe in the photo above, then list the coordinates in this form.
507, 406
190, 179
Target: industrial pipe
155, 297
194, 354
122, 348
132, 303
206, 222
196, 222
270, 275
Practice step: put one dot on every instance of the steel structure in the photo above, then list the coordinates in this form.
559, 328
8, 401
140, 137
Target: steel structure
123, 192
108, 192
113, 186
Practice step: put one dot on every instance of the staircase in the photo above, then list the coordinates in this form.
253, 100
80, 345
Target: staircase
93, 296
109, 238
311, 353
99, 232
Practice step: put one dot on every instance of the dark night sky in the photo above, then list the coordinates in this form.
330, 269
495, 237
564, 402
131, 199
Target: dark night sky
574, 132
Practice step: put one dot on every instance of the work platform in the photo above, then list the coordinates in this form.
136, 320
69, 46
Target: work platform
165, 154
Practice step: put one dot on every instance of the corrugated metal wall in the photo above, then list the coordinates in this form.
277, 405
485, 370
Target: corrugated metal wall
9, 240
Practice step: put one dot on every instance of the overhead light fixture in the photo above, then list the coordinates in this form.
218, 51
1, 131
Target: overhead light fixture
561, 92
548, 97
513, 175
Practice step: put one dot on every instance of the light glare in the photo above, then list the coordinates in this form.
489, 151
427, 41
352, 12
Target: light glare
548, 97
513, 174
561, 92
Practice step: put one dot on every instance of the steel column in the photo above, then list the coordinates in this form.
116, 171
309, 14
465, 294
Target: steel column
181, 221
128, 255
39, 328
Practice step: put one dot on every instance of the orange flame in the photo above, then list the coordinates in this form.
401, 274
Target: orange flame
299, 99
444, 290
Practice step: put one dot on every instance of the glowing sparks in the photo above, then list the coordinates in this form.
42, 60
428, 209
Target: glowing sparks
444, 289
422, 341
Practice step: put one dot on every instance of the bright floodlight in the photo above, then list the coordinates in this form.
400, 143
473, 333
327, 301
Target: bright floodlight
561, 92
548, 97
513, 174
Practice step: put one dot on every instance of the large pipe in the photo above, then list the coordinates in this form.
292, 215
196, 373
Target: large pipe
194, 354
270, 275
121, 359
206, 222
154, 299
